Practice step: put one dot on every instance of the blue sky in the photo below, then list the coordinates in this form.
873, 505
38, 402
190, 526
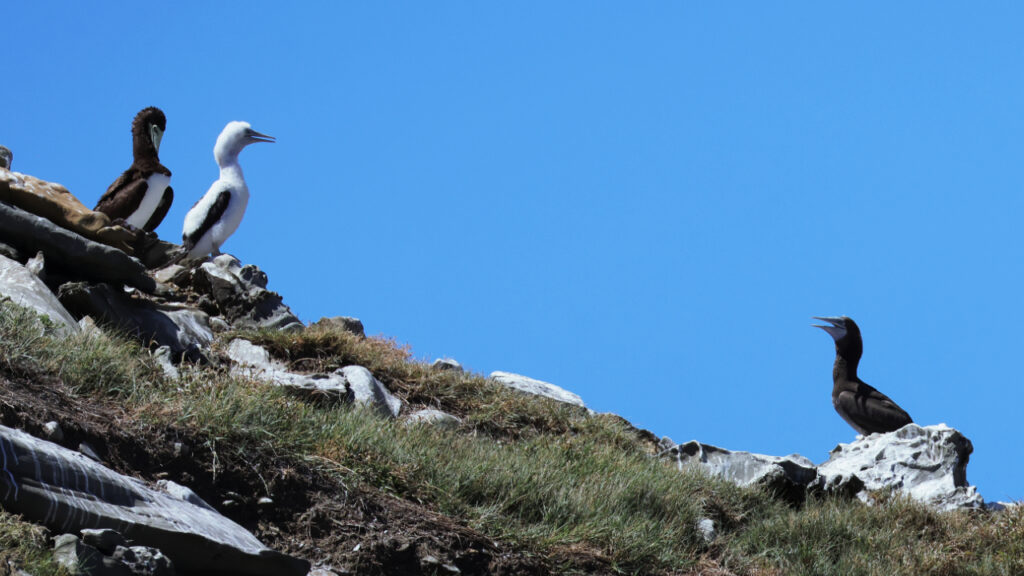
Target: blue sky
643, 203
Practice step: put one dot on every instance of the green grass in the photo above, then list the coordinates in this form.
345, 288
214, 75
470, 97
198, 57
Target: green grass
28, 546
484, 405
544, 475
88, 362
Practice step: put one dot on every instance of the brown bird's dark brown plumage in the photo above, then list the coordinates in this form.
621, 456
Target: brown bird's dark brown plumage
861, 405
142, 195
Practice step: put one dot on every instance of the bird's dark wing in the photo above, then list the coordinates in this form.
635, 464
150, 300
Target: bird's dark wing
216, 211
871, 410
161, 210
123, 196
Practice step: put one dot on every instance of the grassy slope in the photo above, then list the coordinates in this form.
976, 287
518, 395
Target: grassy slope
537, 473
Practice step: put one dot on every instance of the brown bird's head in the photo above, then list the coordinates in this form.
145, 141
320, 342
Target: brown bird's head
147, 131
845, 332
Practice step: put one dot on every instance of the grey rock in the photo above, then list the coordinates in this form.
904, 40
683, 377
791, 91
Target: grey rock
537, 387
252, 361
184, 493
163, 356
89, 452
105, 540
155, 254
88, 326
36, 264
219, 324
706, 527
186, 331
11, 252
351, 383
430, 563
786, 475
929, 464
143, 560
106, 553
346, 323
447, 364
25, 289
81, 559
434, 417
6, 158
66, 491
71, 252
239, 293
167, 274
368, 391
53, 432
265, 501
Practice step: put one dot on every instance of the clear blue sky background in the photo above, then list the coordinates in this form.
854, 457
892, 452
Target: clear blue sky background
643, 203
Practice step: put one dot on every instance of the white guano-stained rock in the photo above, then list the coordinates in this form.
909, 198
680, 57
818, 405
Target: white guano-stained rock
25, 289
929, 464
537, 387
369, 392
252, 361
351, 383
788, 475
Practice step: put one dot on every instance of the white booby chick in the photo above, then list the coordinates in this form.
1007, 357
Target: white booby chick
218, 213
142, 195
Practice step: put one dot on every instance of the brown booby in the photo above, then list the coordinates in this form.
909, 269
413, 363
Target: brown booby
142, 195
861, 405
218, 213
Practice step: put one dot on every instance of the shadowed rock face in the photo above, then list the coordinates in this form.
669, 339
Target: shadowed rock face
185, 331
67, 492
238, 294
71, 252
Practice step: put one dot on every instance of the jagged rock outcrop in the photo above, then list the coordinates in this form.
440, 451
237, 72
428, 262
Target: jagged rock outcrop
184, 330
25, 289
107, 553
351, 383
67, 492
787, 475
238, 294
537, 387
929, 464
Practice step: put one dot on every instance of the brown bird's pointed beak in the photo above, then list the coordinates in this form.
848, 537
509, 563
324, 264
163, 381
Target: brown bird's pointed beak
838, 326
